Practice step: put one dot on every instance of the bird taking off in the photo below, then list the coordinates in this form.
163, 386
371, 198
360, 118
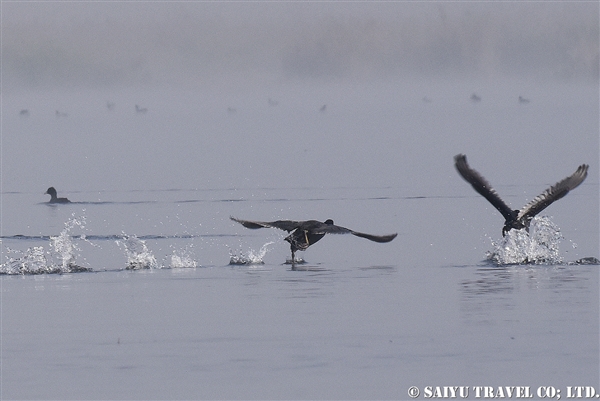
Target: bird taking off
518, 219
305, 233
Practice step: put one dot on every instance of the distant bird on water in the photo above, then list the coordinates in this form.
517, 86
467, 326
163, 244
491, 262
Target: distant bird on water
140, 110
519, 219
522, 100
306, 233
53, 199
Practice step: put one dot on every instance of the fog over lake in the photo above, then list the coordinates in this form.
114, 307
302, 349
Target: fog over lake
160, 120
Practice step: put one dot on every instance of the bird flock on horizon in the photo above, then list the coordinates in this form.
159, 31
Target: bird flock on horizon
110, 106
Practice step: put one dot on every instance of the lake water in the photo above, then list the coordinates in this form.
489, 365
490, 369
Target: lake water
358, 319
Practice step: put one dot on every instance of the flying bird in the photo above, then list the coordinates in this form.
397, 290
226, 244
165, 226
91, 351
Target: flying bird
53, 199
519, 219
305, 233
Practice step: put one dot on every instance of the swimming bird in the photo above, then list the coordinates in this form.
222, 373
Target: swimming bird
305, 233
141, 110
522, 100
519, 219
53, 199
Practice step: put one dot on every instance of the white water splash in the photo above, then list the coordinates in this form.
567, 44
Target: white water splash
539, 246
182, 258
138, 255
297, 261
59, 258
249, 258
182, 261
31, 261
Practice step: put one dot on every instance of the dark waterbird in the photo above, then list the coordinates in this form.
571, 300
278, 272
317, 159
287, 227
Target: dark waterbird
519, 219
53, 199
306, 233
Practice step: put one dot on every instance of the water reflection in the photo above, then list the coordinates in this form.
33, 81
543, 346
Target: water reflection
488, 281
317, 282
491, 291
508, 279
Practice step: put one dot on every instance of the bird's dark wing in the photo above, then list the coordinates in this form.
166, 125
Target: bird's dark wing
481, 185
333, 229
287, 225
376, 238
553, 193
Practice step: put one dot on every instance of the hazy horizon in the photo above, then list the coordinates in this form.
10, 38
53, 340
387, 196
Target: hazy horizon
160, 120
396, 80
230, 45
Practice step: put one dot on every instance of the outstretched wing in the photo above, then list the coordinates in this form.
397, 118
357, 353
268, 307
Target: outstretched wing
376, 238
481, 186
333, 229
287, 225
553, 193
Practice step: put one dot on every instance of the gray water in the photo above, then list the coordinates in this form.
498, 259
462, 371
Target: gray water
358, 319
160, 120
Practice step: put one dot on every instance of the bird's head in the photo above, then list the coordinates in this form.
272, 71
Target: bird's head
50, 191
329, 222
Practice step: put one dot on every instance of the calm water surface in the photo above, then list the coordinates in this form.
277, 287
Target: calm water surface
357, 320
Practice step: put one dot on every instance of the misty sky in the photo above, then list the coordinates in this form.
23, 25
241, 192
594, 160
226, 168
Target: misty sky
107, 44
371, 63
